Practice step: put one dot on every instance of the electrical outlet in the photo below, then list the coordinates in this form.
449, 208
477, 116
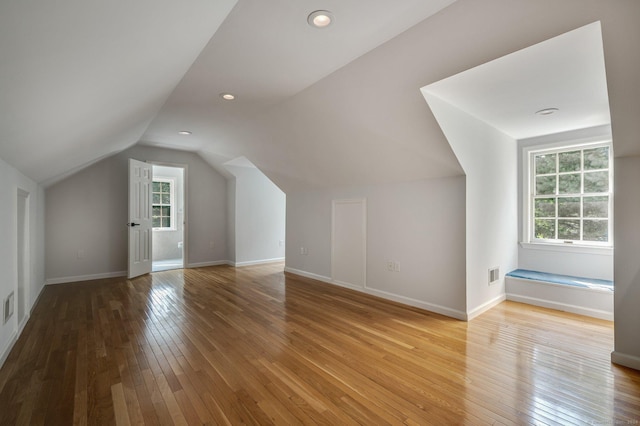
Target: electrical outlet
304, 251
396, 266
390, 265
281, 243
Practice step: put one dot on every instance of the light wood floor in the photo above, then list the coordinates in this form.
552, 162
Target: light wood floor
252, 345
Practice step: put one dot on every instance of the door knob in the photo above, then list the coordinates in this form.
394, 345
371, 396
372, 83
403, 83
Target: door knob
133, 224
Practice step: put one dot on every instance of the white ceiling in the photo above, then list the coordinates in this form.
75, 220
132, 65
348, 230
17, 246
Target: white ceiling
340, 106
566, 72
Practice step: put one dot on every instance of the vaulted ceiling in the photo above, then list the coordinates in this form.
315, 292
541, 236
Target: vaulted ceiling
315, 107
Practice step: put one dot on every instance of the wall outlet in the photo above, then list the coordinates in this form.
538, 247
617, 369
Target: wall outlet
393, 266
7, 310
304, 251
281, 243
180, 244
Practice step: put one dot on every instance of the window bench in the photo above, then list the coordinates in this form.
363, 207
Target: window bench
584, 296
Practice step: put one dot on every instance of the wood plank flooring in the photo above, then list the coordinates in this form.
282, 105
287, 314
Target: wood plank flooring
253, 345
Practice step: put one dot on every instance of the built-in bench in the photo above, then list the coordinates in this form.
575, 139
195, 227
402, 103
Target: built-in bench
585, 296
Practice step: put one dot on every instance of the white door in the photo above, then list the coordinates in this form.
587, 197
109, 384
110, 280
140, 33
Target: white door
349, 242
140, 176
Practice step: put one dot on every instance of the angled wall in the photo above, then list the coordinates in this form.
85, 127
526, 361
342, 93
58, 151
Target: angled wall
489, 160
257, 218
87, 214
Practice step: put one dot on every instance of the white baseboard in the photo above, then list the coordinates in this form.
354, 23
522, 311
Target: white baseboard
442, 310
259, 262
580, 310
625, 360
5, 352
77, 278
214, 263
486, 306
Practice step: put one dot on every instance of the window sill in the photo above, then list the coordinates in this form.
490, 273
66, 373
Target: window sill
568, 248
164, 229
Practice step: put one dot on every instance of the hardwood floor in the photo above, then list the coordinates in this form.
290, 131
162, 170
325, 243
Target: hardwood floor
252, 345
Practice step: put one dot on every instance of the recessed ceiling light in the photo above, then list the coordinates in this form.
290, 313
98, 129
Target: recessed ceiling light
320, 18
227, 96
547, 111
184, 132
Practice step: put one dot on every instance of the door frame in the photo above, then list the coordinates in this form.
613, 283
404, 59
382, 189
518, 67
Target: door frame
185, 207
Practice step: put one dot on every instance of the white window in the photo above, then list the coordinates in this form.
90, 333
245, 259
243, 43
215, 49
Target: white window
570, 195
163, 213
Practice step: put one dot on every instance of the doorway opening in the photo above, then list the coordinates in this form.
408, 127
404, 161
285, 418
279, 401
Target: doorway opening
168, 217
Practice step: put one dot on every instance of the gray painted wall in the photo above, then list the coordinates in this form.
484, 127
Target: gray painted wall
87, 215
420, 225
259, 219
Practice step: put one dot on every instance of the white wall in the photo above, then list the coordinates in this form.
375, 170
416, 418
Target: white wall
231, 220
166, 242
12, 180
259, 220
562, 260
87, 215
488, 158
627, 261
418, 224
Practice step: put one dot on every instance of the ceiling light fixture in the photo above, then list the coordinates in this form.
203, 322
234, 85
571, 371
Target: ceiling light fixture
227, 96
547, 111
184, 132
320, 18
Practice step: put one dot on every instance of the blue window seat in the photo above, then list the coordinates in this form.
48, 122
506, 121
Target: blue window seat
562, 279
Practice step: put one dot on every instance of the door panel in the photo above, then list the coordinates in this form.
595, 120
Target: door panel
140, 177
348, 242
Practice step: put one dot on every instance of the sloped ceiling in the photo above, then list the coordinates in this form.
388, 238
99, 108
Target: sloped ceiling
566, 72
81, 80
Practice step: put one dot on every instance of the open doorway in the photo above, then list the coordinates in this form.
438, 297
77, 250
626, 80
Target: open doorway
168, 217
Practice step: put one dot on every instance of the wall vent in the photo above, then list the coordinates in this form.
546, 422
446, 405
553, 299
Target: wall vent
8, 308
494, 275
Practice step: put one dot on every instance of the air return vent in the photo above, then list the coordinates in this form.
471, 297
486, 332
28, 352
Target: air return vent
8, 308
494, 275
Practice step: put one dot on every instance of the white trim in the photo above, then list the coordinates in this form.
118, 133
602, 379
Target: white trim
65, 280
625, 360
258, 262
568, 248
7, 350
569, 287
595, 313
185, 204
431, 307
486, 306
526, 173
173, 215
213, 263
